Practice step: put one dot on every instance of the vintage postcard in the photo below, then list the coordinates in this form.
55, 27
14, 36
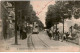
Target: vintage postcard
39, 26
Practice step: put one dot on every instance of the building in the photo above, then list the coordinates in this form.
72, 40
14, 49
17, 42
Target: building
4, 17
0, 23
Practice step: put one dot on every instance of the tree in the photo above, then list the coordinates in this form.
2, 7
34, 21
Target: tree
62, 10
73, 9
21, 6
49, 16
69, 9
58, 12
65, 12
53, 16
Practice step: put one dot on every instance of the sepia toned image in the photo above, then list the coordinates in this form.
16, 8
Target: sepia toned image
40, 26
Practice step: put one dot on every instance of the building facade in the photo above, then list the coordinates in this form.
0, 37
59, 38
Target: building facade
4, 17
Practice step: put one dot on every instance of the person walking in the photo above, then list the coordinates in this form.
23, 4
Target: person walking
63, 37
67, 34
21, 31
58, 35
50, 33
56, 31
55, 35
24, 36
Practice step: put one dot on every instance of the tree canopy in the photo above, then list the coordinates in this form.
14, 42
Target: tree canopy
62, 10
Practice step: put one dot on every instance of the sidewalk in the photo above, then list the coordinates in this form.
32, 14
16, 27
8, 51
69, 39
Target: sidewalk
10, 46
58, 45
46, 39
76, 41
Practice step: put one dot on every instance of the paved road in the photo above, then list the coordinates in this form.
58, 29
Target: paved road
42, 41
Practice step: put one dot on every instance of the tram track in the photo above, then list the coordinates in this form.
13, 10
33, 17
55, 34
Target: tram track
45, 44
38, 43
30, 42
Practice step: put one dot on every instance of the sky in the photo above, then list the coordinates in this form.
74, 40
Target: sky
41, 7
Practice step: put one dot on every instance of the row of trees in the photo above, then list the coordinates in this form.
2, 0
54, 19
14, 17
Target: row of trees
24, 15
60, 11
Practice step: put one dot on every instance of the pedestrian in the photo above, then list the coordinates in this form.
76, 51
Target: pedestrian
21, 31
63, 37
55, 35
50, 33
58, 35
24, 36
67, 34
47, 31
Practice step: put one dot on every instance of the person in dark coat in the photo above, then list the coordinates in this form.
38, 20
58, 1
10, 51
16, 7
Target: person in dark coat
67, 34
21, 31
58, 35
24, 36
49, 33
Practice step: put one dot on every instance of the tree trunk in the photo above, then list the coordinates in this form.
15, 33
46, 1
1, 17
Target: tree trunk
56, 28
63, 25
26, 25
20, 24
16, 41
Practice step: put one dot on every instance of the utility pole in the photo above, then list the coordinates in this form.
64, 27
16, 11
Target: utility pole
26, 25
63, 25
16, 41
20, 23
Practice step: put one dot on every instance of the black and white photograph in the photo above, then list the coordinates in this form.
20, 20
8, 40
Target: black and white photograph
39, 25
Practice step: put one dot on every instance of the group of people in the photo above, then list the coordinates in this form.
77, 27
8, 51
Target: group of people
56, 35
24, 31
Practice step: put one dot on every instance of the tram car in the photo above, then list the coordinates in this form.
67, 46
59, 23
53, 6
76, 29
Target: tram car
35, 28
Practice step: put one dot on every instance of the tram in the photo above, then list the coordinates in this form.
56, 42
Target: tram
35, 28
